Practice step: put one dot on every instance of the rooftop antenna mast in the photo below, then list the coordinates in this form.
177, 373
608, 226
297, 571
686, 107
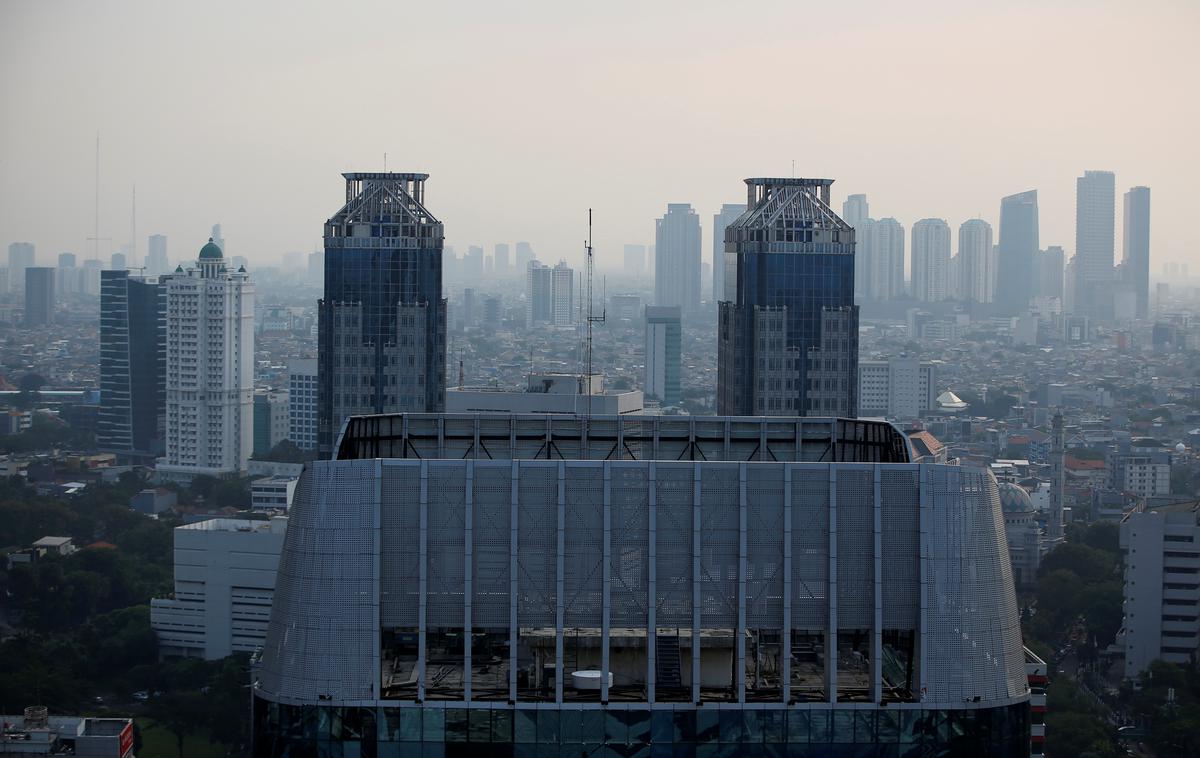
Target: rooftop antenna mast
591, 317
96, 239
132, 231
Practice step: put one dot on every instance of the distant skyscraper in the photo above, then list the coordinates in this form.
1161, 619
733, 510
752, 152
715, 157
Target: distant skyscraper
663, 340
1095, 210
539, 308
39, 296
316, 267
501, 257
156, 255
976, 262
729, 213
210, 370
20, 257
857, 213
1136, 246
855, 209
66, 278
218, 239
302, 403
133, 366
788, 340
677, 264
473, 263
470, 314
885, 259
1018, 246
524, 256
1050, 272
931, 259
382, 343
635, 260
562, 294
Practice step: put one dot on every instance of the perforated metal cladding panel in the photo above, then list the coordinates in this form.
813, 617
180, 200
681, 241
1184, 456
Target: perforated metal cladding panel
810, 546
973, 645
764, 546
322, 640
583, 571
400, 545
629, 565
537, 543
720, 494
491, 544
673, 489
900, 543
856, 547
444, 548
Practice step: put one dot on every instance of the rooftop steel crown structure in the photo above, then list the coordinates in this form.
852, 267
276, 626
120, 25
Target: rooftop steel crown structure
506, 584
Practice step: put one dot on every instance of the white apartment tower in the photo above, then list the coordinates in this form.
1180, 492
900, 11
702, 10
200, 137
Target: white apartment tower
562, 295
210, 369
930, 260
976, 262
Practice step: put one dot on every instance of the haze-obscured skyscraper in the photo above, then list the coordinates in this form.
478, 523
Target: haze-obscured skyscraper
885, 259
39, 295
156, 255
677, 258
1052, 262
634, 260
855, 209
856, 212
539, 299
664, 336
931, 260
472, 268
20, 257
1018, 247
1095, 229
562, 294
210, 370
788, 339
383, 318
500, 256
132, 419
976, 261
1135, 252
728, 214
524, 256
66, 276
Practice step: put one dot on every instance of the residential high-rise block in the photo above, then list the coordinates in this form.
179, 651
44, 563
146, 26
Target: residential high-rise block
788, 336
210, 370
39, 295
302, 403
1050, 272
66, 277
976, 262
382, 341
663, 341
885, 259
635, 261
1095, 226
133, 366
524, 256
677, 258
1018, 246
500, 256
562, 294
20, 257
1136, 246
539, 298
270, 419
728, 214
856, 212
930, 260
156, 255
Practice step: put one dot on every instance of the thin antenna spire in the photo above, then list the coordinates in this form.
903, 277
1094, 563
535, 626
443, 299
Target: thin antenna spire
385, 163
132, 231
96, 239
591, 317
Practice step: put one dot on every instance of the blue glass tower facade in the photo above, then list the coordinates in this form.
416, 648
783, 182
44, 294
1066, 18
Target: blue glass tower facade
1016, 280
788, 325
382, 333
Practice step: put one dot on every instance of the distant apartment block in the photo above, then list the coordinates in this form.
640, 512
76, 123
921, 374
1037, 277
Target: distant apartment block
663, 339
901, 388
302, 403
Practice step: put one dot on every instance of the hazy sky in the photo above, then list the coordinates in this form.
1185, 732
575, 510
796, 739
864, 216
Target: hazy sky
525, 114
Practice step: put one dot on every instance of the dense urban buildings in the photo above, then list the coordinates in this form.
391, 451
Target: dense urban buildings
1095, 209
382, 342
728, 213
567, 394
788, 333
1016, 252
663, 582
931, 260
677, 258
210, 370
663, 341
131, 421
39, 295
1135, 260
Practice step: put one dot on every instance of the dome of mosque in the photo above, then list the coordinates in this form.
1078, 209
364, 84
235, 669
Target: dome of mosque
1014, 498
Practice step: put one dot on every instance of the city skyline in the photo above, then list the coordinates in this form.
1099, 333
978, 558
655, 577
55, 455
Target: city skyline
187, 164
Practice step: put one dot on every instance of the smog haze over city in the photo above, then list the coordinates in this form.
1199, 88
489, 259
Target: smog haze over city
675, 378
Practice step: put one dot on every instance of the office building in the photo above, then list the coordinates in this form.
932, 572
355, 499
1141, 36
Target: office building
1162, 564
635, 261
562, 295
210, 370
132, 418
788, 335
156, 255
569, 394
728, 214
89, 281
885, 259
116, 262
302, 403
666, 583
500, 256
382, 342
625, 307
1135, 253
677, 258
36, 733
224, 583
900, 388
271, 420
66, 276
39, 295
21, 255
524, 255
473, 264
1051, 265
855, 210
1095, 226
1017, 248
539, 308
931, 260
1141, 467
272, 493
976, 272
664, 335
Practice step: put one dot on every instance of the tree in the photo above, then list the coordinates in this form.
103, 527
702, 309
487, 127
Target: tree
178, 713
1088, 563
